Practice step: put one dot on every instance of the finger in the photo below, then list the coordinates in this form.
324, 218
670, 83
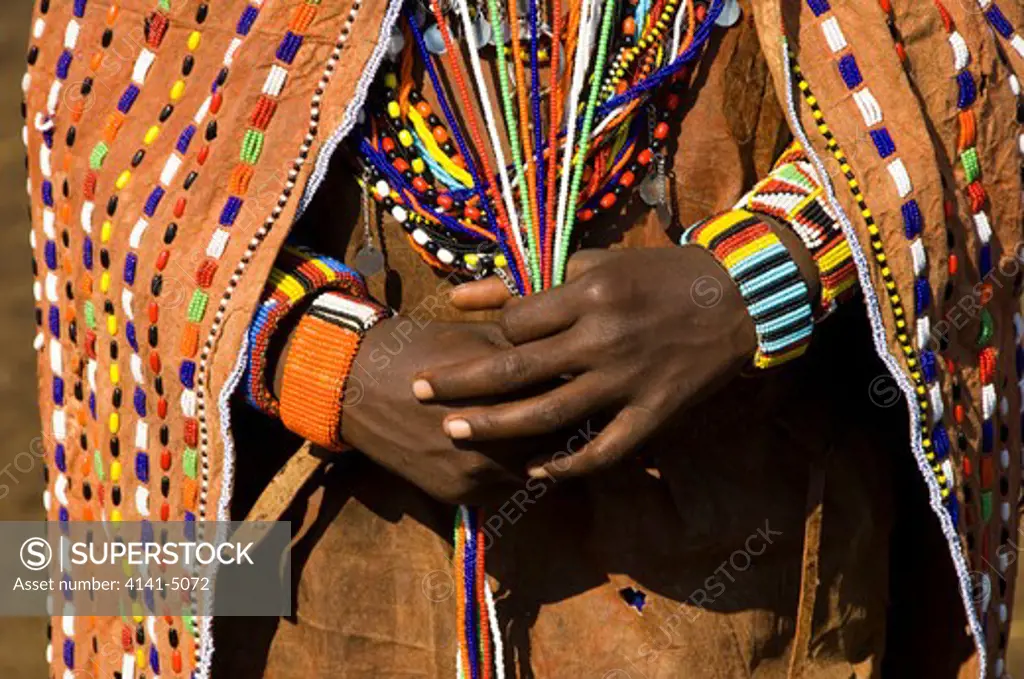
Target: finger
488, 293
500, 373
544, 414
542, 314
633, 425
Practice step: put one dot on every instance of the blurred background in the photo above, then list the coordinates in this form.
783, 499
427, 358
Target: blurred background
22, 641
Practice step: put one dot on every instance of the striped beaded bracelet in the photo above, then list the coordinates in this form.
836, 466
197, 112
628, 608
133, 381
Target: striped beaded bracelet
320, 359
297, 275
792, 194
769, 280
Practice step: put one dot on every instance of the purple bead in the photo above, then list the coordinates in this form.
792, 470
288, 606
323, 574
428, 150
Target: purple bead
230, 212
819, 7
142, 467
922, 294
92, 404
245, 21
129, 331
69, 654
58, 391
50, 254
968, 92
941, 441
60, 458
139, 399
998, 20
911, 219
64, 64
47, 193
883, 142
289, 47
190, 526
124, 104
54, 318
130, 262
850, 71
187, 373
185, 139
154, 657
985, 260
153, 201
987, 434
80, 8
87, 253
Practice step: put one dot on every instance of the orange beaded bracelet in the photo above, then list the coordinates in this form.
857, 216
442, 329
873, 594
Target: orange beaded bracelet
320, 357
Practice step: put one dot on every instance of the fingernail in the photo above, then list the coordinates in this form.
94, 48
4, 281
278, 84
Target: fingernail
458, 429
422, 390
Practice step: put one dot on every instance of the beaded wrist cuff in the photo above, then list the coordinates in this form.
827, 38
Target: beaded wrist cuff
320, 358
768, 278
793, 195
297, 274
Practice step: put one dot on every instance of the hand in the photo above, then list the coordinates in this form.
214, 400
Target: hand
383, 419
637, 333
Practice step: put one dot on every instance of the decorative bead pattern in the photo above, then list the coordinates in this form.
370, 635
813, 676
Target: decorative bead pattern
930, 408
770, 282
298, 275
793, 195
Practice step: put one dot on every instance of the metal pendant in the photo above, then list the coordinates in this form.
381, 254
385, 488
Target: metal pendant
369, 260
651, 189
434, 41
730, 14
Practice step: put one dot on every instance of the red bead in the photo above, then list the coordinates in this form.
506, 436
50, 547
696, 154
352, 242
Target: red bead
165, 514
954, 264
472, 212
161, 259
440, 134
967, 466
958, 413
165, 460
627, 178
645, 157
586, 215
204, 153
445, 201
161, 407
401, 164
608, 200
388, 144
126, 638
154, 312
673, 102
154, 362
420, 184
176, 659
179, 207
191, 433
661, 130
423, 108
215, 101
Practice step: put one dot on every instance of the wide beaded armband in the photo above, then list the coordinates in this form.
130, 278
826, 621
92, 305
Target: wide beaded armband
769, 280
320, 358
792, 194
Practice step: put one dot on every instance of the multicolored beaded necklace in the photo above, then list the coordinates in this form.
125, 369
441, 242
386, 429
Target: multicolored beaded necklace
473, 196
583, 115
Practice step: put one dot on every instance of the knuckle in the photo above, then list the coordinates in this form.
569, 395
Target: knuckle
599, 292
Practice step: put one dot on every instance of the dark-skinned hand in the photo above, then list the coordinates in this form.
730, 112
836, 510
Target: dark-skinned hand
383, 419
636, 334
